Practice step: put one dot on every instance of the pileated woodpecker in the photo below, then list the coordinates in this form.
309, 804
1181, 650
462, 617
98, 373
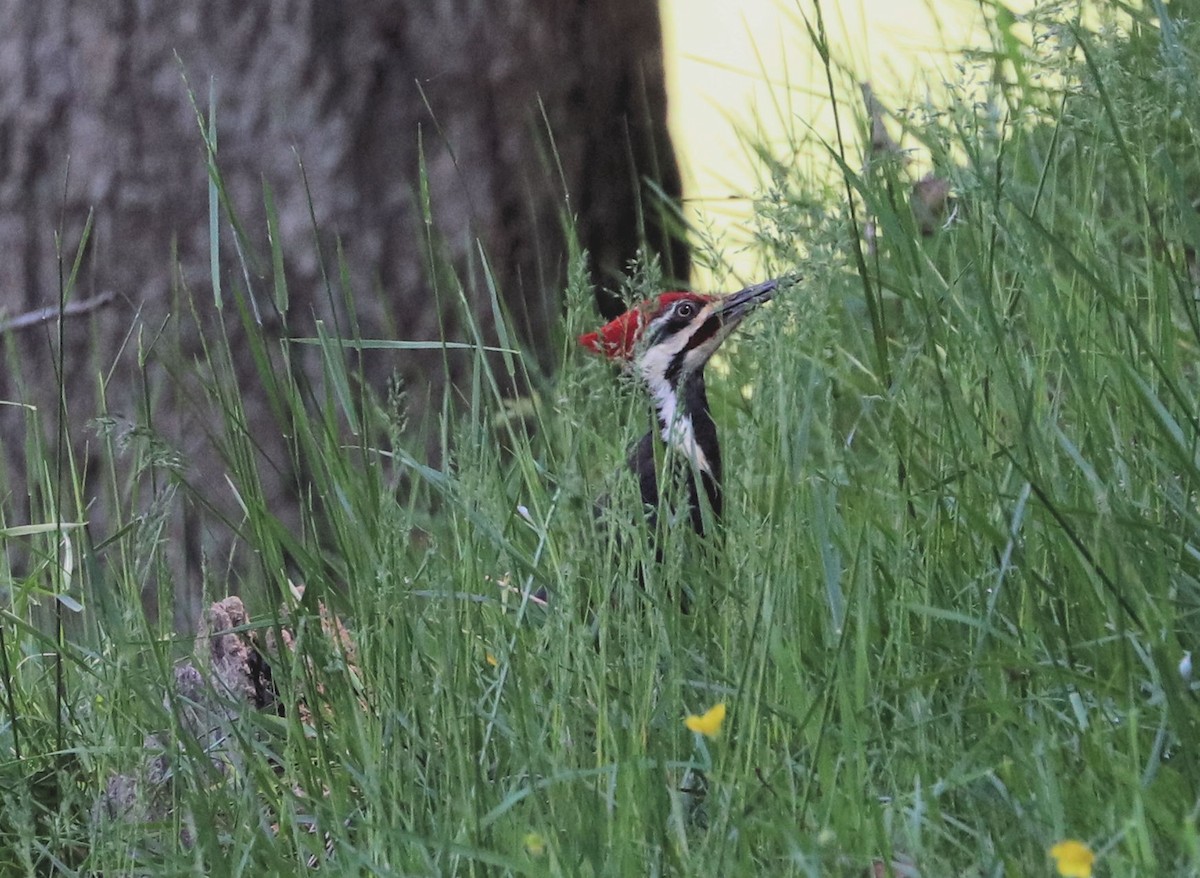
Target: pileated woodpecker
668, 340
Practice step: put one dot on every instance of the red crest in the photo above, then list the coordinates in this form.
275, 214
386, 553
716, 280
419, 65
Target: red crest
617, 338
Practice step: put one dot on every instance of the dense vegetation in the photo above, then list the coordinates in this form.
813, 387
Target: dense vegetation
947, 613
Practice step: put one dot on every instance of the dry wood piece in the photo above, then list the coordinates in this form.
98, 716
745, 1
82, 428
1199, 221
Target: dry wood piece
233, 671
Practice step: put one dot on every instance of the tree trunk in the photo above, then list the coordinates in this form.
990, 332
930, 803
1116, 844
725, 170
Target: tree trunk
95, 116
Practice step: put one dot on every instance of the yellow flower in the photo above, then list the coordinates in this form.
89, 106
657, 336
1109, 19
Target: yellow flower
709, 722
492, 660
1074, 859
535, 845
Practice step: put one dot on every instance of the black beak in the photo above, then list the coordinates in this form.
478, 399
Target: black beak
737, 305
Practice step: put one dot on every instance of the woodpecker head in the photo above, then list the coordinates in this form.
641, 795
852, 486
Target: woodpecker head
669, 338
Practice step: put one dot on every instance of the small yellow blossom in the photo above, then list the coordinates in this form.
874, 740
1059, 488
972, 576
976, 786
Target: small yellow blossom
1074, 859
492, 660
535, 845
709, 722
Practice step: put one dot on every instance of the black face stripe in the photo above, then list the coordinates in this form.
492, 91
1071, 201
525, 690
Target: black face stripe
707, 330
704, 333
657, 335
674, 368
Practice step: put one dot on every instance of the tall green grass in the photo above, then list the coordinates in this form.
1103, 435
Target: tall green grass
946, 610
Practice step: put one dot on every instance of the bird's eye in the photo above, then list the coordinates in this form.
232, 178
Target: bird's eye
685, 310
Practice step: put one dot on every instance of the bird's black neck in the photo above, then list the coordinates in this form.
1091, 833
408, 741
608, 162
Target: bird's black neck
685, 423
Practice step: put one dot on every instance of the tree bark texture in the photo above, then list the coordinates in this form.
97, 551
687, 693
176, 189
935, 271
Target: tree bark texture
95, 116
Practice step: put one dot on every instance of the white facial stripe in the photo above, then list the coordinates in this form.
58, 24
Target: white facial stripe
654, 362
658, 358
677, 427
